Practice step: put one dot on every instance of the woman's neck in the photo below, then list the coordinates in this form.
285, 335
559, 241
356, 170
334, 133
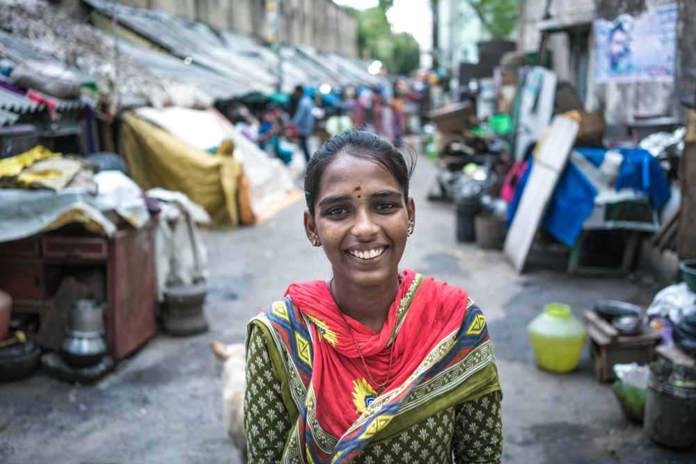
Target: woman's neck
367, 305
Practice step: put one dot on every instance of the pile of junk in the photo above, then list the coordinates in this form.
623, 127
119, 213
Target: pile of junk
585, 196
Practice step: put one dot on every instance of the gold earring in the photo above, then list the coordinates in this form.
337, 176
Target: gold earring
411, 226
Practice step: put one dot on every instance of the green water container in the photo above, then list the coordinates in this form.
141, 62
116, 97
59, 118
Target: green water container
557, 338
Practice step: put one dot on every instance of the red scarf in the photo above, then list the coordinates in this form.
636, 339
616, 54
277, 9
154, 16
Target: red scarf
436, 310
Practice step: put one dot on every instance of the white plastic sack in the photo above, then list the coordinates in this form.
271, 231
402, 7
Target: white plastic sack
673, 302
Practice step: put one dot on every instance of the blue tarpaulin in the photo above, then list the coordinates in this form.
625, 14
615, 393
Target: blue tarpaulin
571, 204
573, 200
639, 171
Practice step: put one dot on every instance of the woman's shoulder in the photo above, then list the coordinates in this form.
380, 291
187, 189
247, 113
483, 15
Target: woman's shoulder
281, 316
445, 292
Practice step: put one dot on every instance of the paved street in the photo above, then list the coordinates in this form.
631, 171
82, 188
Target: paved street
164, 404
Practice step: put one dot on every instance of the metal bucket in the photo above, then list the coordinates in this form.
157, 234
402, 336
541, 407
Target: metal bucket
670, 407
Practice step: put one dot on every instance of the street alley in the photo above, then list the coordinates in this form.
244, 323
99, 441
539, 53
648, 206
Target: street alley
164, 405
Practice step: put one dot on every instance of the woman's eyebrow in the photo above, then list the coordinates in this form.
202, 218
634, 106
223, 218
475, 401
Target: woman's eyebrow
333, 199
387, 194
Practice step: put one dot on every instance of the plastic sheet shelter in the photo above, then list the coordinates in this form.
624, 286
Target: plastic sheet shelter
157, 158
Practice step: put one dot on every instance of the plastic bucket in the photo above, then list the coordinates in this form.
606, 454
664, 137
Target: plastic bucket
466, 210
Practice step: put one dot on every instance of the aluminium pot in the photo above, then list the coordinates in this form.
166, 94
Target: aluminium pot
84, 343
86, 316
83, 349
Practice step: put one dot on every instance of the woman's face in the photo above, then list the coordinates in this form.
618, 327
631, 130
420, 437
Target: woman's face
361, 220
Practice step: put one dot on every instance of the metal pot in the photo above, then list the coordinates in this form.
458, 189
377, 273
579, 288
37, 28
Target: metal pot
81, 349
84, 343
86, 316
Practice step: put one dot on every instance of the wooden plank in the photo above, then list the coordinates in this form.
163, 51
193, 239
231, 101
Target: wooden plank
607, 329
549, 160
675, 355
658, 238
598, 337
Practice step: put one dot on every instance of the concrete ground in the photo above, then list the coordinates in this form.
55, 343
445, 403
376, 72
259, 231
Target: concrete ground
163, 405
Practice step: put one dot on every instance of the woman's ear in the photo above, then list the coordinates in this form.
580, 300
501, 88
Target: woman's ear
311, 229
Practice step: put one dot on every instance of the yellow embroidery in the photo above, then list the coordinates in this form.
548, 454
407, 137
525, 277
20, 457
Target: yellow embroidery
477, 325
303, 349
363, 394
308, 454
378, 424
325, 331
278, 308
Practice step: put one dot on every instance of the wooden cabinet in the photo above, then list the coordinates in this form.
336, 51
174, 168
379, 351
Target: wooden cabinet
31, 271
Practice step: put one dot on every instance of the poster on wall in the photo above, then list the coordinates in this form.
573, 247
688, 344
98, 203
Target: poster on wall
637, 48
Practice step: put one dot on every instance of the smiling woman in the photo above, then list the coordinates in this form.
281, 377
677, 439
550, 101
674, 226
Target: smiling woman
375, 364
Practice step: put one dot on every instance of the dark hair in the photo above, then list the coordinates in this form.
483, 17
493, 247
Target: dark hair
361, 144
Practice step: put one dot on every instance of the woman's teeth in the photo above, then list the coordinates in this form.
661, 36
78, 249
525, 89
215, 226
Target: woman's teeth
367, 254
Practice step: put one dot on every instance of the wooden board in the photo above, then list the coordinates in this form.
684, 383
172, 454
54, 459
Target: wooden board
549, 160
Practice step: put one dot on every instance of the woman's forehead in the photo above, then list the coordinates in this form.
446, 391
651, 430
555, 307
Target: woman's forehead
348, 173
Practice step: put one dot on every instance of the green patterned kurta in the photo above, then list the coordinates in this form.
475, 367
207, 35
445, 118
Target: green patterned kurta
468, 432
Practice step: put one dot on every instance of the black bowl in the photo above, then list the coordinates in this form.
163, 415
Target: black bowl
613, 309
18, 361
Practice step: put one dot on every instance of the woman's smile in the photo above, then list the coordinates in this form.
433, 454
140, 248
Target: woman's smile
367, 254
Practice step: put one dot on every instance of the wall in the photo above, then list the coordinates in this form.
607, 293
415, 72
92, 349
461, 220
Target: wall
567, 11
319, 23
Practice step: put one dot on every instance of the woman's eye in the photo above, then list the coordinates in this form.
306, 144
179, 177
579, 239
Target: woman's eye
385, 207
338, 211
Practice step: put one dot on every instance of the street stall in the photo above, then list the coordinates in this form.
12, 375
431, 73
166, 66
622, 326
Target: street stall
70, 234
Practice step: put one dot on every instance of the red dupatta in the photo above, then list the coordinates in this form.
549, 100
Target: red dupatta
418, 319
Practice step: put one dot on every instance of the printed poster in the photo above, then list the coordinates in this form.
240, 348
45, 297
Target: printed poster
637, 48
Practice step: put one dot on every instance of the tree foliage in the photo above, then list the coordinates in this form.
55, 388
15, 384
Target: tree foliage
499, 17
400, 53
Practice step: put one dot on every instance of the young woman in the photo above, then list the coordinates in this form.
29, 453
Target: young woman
374, 365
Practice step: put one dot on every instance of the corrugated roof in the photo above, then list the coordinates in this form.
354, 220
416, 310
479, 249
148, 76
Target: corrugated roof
7, 118
191, 42
11, 101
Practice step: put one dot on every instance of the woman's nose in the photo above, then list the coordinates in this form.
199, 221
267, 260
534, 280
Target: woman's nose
364, 225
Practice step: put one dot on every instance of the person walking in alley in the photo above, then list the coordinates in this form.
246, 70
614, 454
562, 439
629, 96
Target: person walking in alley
376, 364
303, 119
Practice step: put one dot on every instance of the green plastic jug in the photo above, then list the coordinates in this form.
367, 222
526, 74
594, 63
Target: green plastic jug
557, 338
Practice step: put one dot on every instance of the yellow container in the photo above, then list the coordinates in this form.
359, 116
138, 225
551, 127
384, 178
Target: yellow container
557, 338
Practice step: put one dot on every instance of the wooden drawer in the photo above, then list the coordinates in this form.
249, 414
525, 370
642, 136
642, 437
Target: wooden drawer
21, 248
28, 279
90, 248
